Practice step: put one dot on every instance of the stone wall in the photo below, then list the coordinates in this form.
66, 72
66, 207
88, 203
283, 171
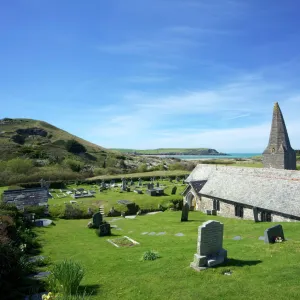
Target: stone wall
227, 209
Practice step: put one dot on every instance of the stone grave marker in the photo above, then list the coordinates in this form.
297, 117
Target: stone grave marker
97, 219
272, 233
210, 250
104, 229
174, 189
157, 184
185, 212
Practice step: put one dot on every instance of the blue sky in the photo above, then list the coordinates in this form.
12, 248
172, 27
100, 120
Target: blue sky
148, 74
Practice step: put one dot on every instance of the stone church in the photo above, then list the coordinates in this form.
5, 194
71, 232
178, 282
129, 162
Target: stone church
264, 194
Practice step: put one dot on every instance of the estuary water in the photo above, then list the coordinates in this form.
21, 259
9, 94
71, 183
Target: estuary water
198, 157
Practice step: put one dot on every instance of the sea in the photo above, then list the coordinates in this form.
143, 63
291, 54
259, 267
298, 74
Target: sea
228, 156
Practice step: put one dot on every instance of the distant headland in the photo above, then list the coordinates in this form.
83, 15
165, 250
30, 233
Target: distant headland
172, 151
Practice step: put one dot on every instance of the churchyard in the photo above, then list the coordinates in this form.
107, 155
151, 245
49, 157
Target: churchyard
109, 196
254, 269
113, 265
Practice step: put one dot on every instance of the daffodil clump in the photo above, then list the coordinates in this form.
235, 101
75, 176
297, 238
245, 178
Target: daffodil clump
50, 296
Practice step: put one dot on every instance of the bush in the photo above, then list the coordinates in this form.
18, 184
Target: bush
20, 166
74, 165
150, 255
65, 277
72, 212
37, 210
75, 147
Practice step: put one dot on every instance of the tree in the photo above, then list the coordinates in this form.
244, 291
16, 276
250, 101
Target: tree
75, 147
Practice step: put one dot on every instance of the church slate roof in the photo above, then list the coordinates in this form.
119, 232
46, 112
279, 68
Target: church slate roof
198, 185
271, 189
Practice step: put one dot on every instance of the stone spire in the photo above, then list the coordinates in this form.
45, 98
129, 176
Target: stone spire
279, 153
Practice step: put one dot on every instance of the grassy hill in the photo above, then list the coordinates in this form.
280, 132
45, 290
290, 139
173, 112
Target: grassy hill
171, 151
33, 149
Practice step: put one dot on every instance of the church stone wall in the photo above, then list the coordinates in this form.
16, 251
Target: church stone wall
272, 160
226, 209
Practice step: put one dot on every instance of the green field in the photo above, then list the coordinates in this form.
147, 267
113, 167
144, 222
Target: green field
162, 151
259, 270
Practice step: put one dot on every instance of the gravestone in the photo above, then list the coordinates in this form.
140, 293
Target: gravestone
103, 185
97, 219
185, 212
157, 184
151, 192
89, 211
104, 229
174, 189
150, 186
272, 233
209, 246
124, 187
140, 182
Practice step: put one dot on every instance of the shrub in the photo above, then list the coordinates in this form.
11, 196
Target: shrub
74, 165
150, 255
75, 147
20, 166
72, 212
65, 277
37, 210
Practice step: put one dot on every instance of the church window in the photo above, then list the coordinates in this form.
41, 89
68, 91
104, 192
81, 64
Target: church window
239, 211
216, 204
273, 150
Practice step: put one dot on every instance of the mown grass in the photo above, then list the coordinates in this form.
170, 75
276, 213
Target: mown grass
109, 197
259, 270
142, 175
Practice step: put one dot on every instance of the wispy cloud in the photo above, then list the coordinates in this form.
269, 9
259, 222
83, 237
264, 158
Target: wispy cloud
147, 79
238, 117
160, 66
203, 118
152, 47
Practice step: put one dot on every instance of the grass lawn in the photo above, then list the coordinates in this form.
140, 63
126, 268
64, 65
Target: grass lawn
109, 197
142, 175
259, 270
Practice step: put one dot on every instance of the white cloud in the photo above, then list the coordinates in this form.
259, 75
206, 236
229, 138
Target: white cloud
150, 121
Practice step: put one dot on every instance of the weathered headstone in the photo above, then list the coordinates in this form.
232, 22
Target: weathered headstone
272, 233
185, 212
97, 219
174, 189
209, 246
140, 182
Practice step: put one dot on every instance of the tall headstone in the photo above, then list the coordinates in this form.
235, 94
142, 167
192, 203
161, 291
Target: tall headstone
185, 212
174, 189
140, 182
97, 219
124, 186
279, 154
210, 250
